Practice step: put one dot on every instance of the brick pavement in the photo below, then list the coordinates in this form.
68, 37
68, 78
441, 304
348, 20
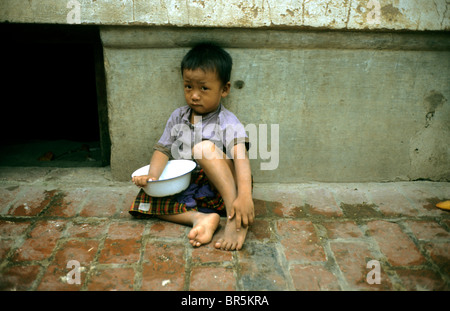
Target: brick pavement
316, 236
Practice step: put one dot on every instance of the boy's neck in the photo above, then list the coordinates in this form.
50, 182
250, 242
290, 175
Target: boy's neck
192, 118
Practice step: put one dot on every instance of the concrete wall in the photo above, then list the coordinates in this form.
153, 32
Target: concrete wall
350, 106
354, 96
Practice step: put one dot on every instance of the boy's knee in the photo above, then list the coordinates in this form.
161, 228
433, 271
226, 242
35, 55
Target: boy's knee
205, 150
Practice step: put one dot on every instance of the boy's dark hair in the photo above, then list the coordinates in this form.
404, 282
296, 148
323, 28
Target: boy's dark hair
209, 57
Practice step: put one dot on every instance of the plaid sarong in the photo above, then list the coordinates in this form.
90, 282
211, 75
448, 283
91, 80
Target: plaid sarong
145, 206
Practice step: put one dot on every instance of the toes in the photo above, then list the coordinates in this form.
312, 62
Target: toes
195, 243
219, 243
193, 233
228, 246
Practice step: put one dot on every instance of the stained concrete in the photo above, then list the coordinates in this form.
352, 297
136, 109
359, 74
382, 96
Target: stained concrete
334, 14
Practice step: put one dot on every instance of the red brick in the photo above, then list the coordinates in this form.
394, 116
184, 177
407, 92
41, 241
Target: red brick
112, 279
208, 253
81, 251
123, 243
55, 279
212, 279
392, 203
343, 230
32, 202
260, 208
259, 231
254, 278
84, 229
313, 278
67, 204
5, 247
421, 280
352, 258
281, 210
120, 251
321, 201
428, 230
439, 253
12, 229
18, 278
395, 244
126, 230
42, 241
102, 202
300, 240
165, 229
163, 267
260, 267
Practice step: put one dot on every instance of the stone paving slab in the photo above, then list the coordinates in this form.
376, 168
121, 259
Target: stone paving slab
306, 237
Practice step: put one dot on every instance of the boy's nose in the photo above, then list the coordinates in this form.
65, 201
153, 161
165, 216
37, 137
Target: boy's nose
195, 96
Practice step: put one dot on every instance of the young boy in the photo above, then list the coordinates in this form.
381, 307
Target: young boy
219, 146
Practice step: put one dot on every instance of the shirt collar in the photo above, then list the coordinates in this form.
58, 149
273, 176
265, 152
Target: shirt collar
204, 117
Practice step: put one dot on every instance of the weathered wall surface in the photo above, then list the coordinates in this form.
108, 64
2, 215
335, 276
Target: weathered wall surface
331, 14
353, 96
345, 111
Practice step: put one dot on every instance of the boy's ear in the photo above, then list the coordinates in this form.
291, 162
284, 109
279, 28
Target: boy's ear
226, 89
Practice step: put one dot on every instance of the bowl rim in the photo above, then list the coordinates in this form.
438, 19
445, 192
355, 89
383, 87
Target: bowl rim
160, 180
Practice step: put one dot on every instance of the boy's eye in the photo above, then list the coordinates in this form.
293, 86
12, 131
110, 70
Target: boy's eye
187, 87
204, 88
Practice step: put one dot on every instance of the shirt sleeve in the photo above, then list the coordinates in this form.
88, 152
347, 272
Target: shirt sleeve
166, 141
234, 133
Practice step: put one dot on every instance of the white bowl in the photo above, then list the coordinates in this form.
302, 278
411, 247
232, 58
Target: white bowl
174, 179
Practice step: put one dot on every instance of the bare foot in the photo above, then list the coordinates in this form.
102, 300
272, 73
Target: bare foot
232, 239
203, 228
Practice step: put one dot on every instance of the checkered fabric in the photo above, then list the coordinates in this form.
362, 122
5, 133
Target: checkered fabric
146, 206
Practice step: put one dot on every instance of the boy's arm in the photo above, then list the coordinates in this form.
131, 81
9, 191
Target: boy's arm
243, 207
157, 165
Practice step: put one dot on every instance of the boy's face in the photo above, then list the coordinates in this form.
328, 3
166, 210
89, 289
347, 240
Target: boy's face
203, 90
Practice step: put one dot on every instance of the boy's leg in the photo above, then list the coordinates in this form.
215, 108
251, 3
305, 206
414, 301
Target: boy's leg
203, 225
220, 172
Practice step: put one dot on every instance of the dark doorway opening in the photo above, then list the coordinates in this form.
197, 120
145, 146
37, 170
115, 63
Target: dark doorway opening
54, 110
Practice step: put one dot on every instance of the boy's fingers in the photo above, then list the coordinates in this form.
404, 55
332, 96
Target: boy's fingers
251, 217
245, 221
250, 220
238, 221
231, 214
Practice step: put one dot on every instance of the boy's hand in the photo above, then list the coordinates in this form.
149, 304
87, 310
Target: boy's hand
141, 181
243, 210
